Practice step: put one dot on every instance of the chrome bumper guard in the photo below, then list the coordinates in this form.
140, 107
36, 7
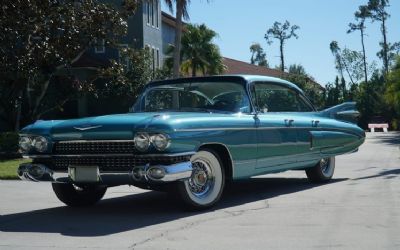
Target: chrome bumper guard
175, 172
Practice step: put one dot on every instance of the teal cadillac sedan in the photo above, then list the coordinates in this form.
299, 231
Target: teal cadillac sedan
191, 136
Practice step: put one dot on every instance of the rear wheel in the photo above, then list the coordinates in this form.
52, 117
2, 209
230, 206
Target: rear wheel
78, 196
204, 188
322, 171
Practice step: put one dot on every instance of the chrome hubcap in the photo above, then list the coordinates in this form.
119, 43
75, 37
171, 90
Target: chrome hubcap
325, 165
202, 179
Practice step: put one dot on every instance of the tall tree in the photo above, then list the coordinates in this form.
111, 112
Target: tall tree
336, 52
360, 16
258, 56
40, 38
282, 32
377, 12
198, 53
297, 69
181, 7
392, 95
298, 75
353, 62
342, 60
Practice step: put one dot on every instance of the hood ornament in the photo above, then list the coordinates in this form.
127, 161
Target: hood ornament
87, 127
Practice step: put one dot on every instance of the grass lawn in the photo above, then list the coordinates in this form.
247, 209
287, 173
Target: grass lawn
8, 168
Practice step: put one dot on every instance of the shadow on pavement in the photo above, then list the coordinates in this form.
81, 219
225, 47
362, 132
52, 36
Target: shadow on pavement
392, 138
388, 174
136, 211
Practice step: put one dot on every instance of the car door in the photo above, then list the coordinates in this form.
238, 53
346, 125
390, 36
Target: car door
276, 133
306, 121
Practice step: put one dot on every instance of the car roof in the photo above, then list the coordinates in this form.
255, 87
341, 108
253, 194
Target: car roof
245, 79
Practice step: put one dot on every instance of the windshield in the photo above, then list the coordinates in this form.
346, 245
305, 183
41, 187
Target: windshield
195, 97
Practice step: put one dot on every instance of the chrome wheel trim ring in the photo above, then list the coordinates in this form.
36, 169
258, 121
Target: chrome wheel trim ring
202, 180
327, 166
213, 183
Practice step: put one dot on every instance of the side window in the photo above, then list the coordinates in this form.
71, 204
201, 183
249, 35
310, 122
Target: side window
304, 106
275, 98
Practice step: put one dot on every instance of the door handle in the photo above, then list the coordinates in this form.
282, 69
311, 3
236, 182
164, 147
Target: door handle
289, 122
314, 123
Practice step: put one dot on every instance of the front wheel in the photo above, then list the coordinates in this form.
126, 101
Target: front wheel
78, 196
204, 188
322, 171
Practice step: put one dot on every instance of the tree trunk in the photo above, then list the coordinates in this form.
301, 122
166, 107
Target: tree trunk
39, 99
364, 56
194, 66
348, 72
385, 48
339, 61
18, 111
178, 37
282, 59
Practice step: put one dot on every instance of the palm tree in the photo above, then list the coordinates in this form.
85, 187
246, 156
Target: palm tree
181, 12
198, 53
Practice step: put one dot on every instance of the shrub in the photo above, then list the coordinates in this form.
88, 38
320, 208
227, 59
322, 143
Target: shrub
9, 142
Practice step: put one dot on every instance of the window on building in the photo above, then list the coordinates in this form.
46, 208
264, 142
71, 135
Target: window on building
99, 47
152, 12
153, 56
156, 14
158, 58
148, 5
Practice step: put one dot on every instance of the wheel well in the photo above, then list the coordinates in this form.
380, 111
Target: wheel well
225, 156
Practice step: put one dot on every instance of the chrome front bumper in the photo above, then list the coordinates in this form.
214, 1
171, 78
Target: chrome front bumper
156, 174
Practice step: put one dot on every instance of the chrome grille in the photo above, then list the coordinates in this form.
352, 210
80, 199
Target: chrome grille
104, 163
94, 147
109, 163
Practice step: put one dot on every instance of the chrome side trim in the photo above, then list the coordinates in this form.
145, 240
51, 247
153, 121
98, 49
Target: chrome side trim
261, 128
88, 128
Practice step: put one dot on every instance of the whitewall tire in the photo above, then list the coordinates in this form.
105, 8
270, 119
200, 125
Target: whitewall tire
205, 186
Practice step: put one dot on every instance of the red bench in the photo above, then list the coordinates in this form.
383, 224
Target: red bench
373, 126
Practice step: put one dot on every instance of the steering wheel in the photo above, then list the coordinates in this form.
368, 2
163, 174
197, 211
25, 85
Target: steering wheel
223, 105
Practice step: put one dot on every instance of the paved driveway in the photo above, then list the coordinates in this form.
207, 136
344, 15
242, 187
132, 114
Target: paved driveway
359, 209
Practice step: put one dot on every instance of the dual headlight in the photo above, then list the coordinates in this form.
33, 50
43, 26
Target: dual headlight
39, 143
144, 140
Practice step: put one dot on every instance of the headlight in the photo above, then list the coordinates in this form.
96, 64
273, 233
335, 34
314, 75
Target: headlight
40, 144
25, 144
160, 141
142, 141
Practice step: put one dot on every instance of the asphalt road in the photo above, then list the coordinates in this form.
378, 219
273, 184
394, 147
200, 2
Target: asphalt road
359, 209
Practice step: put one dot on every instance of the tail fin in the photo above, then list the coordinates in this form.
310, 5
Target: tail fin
345, 111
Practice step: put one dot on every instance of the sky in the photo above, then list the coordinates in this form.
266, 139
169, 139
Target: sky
241, 23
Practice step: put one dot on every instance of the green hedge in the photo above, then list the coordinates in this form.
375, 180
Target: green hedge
9, 142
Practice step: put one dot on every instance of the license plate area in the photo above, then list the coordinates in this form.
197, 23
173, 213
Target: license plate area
84, 174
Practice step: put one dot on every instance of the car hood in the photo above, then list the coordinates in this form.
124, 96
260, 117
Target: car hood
119, 126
